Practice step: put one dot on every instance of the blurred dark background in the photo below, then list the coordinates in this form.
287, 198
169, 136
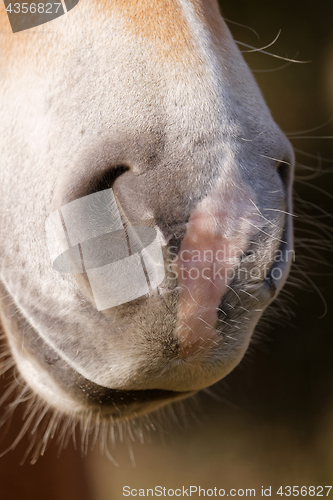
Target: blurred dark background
270, 423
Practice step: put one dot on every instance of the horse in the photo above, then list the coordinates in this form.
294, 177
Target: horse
135, 127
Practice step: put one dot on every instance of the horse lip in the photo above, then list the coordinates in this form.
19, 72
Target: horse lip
127, 400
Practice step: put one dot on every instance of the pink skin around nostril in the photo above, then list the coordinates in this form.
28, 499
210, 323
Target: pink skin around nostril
204, 268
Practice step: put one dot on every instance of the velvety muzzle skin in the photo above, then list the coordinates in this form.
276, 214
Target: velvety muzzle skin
134, 135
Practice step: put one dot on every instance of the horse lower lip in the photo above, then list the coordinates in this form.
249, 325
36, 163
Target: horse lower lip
114, 398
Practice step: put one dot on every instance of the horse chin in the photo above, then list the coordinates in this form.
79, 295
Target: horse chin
58, 386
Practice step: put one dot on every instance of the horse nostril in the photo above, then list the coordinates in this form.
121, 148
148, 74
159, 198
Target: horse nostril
104, 236
107, 179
